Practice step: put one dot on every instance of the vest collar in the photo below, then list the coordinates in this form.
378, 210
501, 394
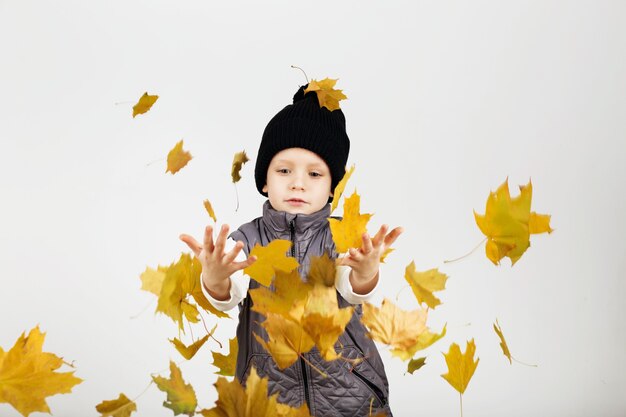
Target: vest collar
304, 224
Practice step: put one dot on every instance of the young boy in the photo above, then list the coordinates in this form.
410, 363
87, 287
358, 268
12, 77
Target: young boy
301, 159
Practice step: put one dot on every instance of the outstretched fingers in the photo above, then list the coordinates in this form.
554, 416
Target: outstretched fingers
230, 256
208, 239
393, 235
236, 266
192, 243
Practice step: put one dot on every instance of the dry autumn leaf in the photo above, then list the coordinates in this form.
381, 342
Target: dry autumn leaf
393, 326
461, 366
144, 104
121, 407
287, 340
190, 351
269, 259
347, 233
239, 159
181, 398
425, 339
322, 271
289, 289
152, 279
28, 375
177, 158
415, 364
209, 209
503, 345
425, 283
227, 363
326, 94
252, 401
339, 189
508, 223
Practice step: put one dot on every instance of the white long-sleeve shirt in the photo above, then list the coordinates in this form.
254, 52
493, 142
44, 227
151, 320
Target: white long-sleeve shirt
239, 283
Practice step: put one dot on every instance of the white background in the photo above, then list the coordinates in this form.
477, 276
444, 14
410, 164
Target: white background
446, 100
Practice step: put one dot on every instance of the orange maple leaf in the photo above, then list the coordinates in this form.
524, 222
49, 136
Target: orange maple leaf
270, 258
326, 94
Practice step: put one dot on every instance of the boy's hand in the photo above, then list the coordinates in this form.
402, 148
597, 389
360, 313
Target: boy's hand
365, 261
217, 266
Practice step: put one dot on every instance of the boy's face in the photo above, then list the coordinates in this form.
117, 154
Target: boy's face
298, 181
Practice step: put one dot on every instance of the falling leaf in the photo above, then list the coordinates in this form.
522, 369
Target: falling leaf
326, 94
508, 223
384, 255
503, 345
190, 351
253, 401
341, 186
415, 364
269, 259
347, 233
28, 377
425, 339
239, 159
289, 290
122, 407
152, 280
209, 209
322, 271
287, 340
461, 367
182, 280
227, 363
177, 158
144, 104
424, 284
393, 326
181, 398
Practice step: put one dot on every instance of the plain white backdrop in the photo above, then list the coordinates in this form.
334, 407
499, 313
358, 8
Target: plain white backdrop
446, 100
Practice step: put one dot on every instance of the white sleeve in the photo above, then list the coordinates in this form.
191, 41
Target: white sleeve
239, 283
343, 285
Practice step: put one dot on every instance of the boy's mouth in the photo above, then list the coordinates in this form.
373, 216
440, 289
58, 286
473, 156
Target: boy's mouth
296, 201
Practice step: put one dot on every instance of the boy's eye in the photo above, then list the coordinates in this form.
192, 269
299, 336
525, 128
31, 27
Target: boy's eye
283, 171
316, 174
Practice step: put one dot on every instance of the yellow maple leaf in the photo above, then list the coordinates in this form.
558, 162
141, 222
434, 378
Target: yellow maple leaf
239, 159
181, 397
288, 290
326, 94
144, 104
121, 407
28, 377
461, 367
425, 283
287, 340
182, 279
322, 271
347, 233
209, 209
503, 345
425, 339
270, 258
177, 158
508, 223
323, 320
253, 401
152, 279
227, 363
393, 326
341, 186
190, 351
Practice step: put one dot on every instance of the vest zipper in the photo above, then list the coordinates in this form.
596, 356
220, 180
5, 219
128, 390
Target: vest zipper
375, 390
305, 380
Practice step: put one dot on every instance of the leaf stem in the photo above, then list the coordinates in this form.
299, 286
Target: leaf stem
523, 363
209, 332
461, 400
467, 254
142, 310
237, 194
305, 76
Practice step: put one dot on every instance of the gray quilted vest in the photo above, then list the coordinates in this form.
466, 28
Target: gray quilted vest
347, 390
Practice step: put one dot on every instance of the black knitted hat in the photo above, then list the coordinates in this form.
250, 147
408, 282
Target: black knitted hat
304, 124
